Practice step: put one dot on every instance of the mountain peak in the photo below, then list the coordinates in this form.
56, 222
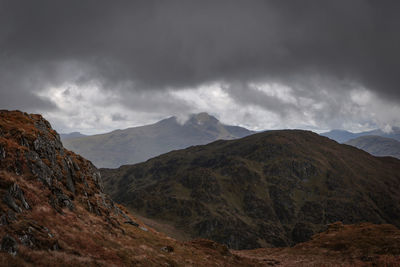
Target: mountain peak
138, 144
203, 118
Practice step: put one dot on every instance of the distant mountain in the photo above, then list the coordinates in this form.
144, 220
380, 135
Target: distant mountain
65, 136
275, 188
138, 144
342, 136
377, 145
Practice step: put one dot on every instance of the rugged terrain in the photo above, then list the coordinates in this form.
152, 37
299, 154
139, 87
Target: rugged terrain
53, 211
138, 144
377, 145
276, 188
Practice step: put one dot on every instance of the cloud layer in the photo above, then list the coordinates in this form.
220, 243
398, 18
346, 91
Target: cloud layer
301, 63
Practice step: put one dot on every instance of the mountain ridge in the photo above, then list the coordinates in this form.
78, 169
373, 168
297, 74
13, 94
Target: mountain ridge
65, 136
342, 136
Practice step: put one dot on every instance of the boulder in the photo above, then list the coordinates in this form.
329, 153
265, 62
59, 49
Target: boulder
9, 244
16, 192
168, 249
9, 200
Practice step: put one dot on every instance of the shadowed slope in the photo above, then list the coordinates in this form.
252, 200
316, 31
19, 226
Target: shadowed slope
275, 188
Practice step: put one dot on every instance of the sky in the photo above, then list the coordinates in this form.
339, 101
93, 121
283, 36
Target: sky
94, 65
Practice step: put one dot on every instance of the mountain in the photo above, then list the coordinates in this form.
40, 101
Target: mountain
66, 136
342, 136
53, 211
377, 145
141, 143
275, 188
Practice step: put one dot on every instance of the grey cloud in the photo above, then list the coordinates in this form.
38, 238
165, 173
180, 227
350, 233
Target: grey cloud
17, 87
161, 44
246, 94
118, 117
154, 45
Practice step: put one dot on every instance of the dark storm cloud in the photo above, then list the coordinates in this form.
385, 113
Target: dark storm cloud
172, 44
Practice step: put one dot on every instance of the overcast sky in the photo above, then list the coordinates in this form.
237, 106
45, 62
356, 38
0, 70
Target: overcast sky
94, 66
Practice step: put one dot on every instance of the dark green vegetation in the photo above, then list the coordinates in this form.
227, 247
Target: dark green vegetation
377, 145
141, 143
275, 188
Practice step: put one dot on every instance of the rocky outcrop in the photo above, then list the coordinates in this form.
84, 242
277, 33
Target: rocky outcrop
31, 152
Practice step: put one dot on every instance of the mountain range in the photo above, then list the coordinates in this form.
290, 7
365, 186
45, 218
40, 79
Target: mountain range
139, 144
342, 136
377, 145
275, 188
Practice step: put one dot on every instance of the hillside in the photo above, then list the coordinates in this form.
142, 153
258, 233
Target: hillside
276, 188
343, 136
53, 211
138, 144
377, 145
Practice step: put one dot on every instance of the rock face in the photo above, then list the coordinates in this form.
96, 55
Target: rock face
53, 211
276, 188
32, 153
139, 144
